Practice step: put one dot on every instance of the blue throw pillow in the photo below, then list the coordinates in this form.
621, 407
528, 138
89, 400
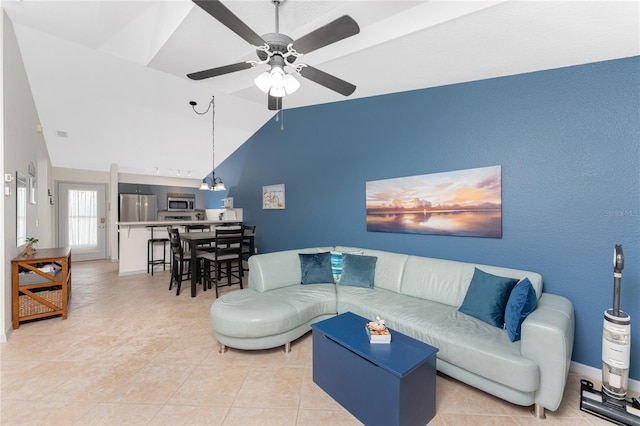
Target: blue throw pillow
315, 268
358, 270
336, 265
522, 302
487, 296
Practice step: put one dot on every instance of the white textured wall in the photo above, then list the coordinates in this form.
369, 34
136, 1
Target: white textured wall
22, 144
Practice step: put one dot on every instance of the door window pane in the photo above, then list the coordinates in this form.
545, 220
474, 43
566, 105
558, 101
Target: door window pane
83, 219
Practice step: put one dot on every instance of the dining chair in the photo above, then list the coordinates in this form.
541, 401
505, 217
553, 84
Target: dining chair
248, 244
246, 241
181, 260
236, 228
225, 261
198, 228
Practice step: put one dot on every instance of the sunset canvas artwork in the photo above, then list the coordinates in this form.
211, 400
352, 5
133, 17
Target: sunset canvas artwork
461, 203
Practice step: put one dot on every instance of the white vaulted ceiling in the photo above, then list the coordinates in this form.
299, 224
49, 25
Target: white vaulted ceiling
112, 74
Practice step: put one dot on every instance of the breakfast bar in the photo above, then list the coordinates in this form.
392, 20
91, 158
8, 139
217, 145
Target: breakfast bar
133, 238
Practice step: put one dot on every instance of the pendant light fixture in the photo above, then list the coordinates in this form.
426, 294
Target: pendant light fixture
216, 183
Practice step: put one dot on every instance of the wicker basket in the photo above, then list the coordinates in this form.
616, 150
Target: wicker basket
29, 306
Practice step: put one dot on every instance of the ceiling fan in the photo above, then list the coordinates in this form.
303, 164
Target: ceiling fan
279, 50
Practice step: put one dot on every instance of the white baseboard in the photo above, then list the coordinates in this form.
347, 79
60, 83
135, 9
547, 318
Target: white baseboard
596, 375
4, 338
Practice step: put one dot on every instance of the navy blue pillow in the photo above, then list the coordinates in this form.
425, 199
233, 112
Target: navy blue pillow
315, 268
358, 270
487, 296
521, 303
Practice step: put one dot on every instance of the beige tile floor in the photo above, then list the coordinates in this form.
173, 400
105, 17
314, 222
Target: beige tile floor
131, 353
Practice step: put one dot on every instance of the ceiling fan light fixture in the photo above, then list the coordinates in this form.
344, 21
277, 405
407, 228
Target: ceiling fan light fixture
262, 81
277, 82
276, 77
279, 50
291, 84
277, 92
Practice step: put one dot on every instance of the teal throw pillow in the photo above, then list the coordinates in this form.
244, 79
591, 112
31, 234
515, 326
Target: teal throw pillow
521, 303
487, 296
336, 263
315, 268
358, 270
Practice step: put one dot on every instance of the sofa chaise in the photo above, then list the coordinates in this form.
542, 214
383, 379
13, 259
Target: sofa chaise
418, 296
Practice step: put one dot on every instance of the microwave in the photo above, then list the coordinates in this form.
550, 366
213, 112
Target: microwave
180, 202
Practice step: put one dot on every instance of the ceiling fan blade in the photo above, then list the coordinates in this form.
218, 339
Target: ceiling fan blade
275, 104
213, 72
327, 80
219, 11
337, 30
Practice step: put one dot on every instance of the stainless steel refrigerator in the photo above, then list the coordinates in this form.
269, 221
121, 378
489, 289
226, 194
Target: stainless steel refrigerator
138, 208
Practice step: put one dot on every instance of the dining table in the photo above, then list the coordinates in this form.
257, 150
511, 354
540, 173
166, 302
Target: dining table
196, 239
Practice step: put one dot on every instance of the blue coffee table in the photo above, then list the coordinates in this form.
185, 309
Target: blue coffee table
380, 384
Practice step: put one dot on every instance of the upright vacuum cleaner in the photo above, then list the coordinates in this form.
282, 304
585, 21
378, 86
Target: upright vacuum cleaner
611, 403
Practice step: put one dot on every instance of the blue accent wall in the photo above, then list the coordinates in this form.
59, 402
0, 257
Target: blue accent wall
568, 141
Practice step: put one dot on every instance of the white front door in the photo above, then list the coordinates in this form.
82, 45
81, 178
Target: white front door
82, 220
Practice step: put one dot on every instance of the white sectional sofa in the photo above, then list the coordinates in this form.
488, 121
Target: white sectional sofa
417, 296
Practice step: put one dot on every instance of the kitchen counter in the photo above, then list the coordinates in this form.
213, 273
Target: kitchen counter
175, 223
133, 237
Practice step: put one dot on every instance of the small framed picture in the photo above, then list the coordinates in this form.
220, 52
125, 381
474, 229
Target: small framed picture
273, 196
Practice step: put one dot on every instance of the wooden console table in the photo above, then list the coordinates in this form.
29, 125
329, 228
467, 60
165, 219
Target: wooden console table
43, 289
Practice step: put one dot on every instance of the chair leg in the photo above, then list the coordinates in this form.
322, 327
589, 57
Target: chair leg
218, 273
179, 277
173, 274
204, 274
211, 277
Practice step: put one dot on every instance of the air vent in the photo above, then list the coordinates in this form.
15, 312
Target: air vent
62, 134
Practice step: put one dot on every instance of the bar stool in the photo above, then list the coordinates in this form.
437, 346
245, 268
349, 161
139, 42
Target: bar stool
151, 243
